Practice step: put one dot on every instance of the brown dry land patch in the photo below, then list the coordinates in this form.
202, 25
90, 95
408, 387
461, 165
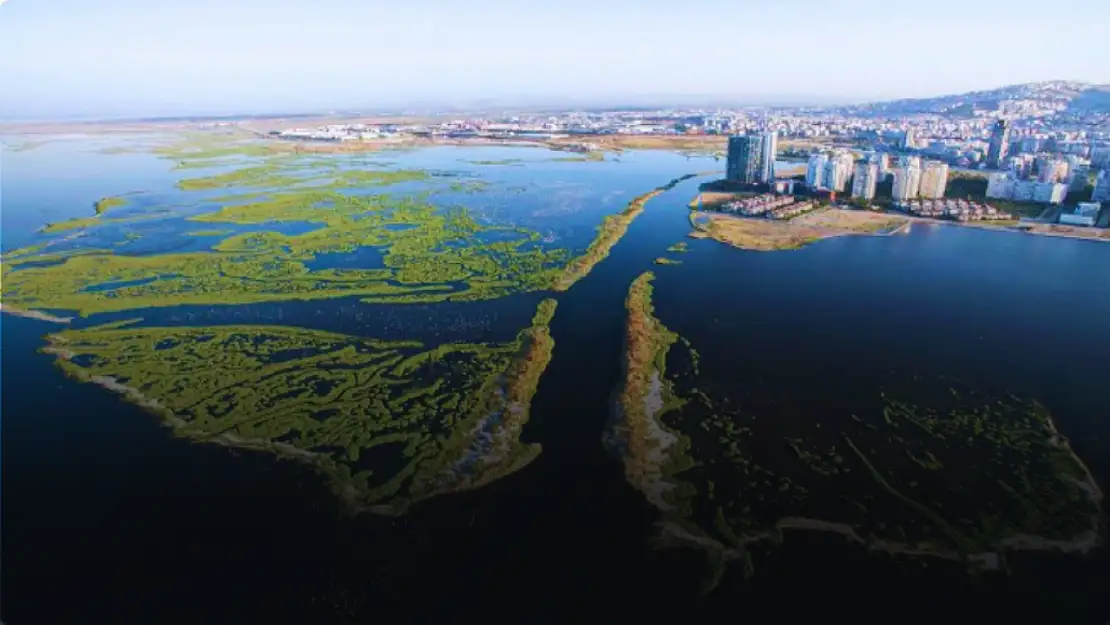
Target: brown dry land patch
768, 235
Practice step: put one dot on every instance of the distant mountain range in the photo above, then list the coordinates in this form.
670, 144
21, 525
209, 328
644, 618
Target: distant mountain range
1073, 96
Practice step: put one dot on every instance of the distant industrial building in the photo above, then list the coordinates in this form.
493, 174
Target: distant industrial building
1000, 141
865, 180
934, 180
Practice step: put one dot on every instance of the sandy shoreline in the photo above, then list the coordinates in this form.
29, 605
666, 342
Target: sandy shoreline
33, 314
766, 235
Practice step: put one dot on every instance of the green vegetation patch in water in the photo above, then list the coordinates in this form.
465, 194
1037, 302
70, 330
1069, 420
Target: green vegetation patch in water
270, 266
388, 423
106, 204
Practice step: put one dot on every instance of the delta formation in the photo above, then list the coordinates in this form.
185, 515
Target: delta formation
949, 473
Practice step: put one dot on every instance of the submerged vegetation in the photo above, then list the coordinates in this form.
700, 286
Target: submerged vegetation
500, 161
956, 474
388, 423
593, 156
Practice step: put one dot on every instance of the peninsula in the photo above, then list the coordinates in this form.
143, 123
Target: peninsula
761, 234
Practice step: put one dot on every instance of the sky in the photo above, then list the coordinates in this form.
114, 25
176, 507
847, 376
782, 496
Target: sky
69, 58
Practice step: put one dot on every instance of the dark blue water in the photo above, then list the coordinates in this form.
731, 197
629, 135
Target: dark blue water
104, 508
363, 258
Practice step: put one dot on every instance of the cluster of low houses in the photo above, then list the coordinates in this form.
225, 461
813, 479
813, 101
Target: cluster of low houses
959, 210
769, 205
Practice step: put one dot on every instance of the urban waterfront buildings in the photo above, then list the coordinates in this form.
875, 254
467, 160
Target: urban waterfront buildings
1051, 169
1100, 156
999, 144
1102, 187
865, 180
815, 171
770, 151
747, 155
934, 180
909, 139
1078, 176
1085, 214
1004, 186
907, 182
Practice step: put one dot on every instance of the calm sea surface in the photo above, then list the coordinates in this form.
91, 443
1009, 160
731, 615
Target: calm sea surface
106, 516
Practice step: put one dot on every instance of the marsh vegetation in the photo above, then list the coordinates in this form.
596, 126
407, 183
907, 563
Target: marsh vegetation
387, 423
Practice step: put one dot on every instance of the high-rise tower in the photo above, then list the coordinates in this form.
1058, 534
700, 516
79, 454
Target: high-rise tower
1000, 143
745, 159
770, 151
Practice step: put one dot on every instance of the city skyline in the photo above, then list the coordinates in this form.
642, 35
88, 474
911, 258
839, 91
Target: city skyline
122, 57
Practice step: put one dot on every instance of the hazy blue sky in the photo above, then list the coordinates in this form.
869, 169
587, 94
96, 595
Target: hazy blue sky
65, 57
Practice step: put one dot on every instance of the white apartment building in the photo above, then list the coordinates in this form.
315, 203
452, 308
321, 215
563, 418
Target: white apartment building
882, 159
1050, 192
770, 151
1000, 186
815, 171
837, 171
1033, 191
907, 182
934, 180
865, 180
